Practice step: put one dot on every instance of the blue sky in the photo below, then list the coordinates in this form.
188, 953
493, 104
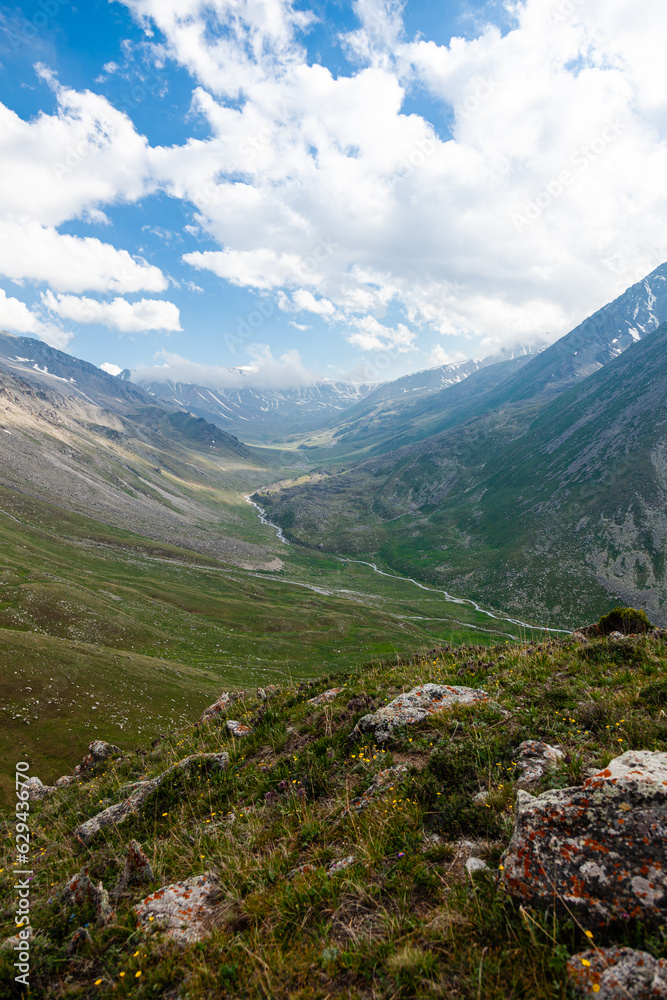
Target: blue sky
346, 188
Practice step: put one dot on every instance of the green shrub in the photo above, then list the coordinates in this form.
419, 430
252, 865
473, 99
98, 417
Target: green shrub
626, 620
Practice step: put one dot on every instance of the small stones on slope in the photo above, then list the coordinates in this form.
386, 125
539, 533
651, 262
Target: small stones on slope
381, 781
340, 865
412, 707
219, 706
596, 849
325, 697
619, 974
534, 759
185, 910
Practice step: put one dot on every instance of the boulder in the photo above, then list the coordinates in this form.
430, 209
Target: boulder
619, 974
131, 806
270, 691
412, 707
325, 697
534, 758
185, 911
596, 850
36, 790
100, 750
79, 939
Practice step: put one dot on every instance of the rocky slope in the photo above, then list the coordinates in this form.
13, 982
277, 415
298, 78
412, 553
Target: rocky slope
445, 826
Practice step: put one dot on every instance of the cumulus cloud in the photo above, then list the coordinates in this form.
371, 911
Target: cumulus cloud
500, 229
265, 371
16, 317
29, 251
119, 314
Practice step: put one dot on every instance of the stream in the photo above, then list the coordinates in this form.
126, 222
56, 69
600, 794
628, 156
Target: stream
407, 579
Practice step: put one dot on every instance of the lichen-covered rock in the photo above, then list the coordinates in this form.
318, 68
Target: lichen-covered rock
137, 869
270, 691
325, 697
36, 790
238, 729
101, 750
185, 911
598, 849
79, 939
219, 706
619, 974
534, 758
131, 806
340, 865
412, 707
380, 783
80, 892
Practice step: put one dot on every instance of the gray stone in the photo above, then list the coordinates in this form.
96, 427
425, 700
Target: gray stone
340, 865
132, 806
325, 697
219, 706
79, 939
184, 911
476, 865
80, 892
534, 758
598, 849
619, 974
270, 691
238, 729
100, 750
412, 707
17, 939
36, 790
137, 869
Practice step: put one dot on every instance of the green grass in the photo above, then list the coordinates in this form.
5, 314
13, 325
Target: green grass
405, 920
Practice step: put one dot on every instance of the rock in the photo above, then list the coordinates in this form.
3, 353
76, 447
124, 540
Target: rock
137, 869
184, 911
302, 870
381, 781
221, 705
340, 865
36, 790
481, 797
79, 939
619, 974
412, 707
80, 892
117, 814
476, 865
67, 779
270, 691
13, 942
99, 750
596, 850
325, 697
534, 758
578, 636
616, 636
238, 729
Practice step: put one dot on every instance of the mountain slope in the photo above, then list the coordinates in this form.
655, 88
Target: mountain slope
558, 509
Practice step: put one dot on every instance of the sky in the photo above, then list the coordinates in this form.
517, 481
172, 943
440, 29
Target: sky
349, 189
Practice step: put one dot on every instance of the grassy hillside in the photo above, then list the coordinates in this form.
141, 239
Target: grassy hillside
558, 510
405, 919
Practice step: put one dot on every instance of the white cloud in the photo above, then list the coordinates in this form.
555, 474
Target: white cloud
119, 314
110, 369
29, 251
16, 317
264, 372
374, 336
563, 116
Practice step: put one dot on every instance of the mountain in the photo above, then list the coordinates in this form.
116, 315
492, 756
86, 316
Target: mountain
557, 507
92, 444
261, 415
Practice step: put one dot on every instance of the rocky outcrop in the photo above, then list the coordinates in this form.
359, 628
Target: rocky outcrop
596, 850
184, 911
619, 974
81, 893
238, 729
534, 758
412, 707
136, 870
219, 706
131, 806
